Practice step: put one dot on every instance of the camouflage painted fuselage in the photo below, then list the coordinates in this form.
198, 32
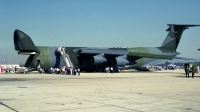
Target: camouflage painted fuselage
82, 56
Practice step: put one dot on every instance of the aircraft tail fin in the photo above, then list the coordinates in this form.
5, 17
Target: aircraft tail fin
23, 43
173, 38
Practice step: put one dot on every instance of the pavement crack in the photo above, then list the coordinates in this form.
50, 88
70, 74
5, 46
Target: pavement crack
78, 108
8, 107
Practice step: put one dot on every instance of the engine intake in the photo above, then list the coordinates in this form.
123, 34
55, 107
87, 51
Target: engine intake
121, 61
98, 59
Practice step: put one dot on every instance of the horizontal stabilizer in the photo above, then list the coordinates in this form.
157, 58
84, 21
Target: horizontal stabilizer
183, 58
176, 27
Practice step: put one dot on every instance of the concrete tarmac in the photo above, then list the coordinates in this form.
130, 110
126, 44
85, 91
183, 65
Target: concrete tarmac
162, 91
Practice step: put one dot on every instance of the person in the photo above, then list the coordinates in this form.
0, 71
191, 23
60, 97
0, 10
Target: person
106, 70
63, 70
187, 71
5, 70
198, 69
66, 70
193, 71
15, 69
51, 70
28, 70
71, 71
41, 71
8, 69
25, 71
74, 71
111, 69
78, 71
56, 70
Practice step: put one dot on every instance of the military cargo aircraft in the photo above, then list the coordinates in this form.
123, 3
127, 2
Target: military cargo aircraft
97, 59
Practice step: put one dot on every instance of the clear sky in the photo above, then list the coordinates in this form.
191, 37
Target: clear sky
98, 23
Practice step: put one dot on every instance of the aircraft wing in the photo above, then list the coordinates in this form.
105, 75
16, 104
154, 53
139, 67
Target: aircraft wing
119, 57
148, 55
97, 51
116, 53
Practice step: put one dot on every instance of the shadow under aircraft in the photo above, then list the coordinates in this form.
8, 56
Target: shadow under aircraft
92, 59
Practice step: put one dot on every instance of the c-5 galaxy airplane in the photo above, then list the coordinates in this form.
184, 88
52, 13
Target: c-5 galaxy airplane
97, 59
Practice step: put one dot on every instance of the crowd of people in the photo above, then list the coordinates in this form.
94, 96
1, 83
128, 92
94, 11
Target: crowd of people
26, 70
109, 69
190, 68
62, 70
7, 69
15, 69
168, 67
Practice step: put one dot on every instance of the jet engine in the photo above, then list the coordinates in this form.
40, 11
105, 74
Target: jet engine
121, 61
98, 59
